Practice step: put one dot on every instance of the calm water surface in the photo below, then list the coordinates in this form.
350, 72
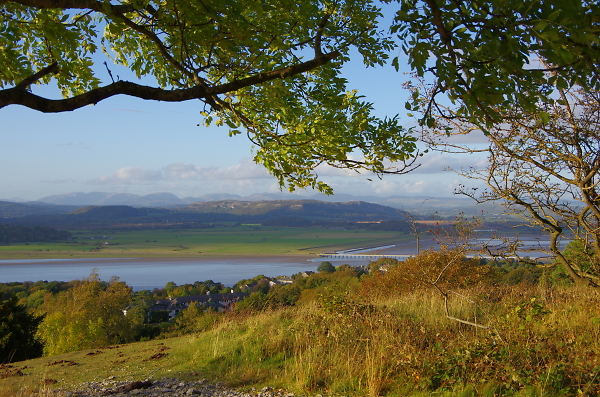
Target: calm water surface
154, 273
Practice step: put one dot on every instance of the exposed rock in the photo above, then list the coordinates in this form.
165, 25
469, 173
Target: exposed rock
167, 387
7, 370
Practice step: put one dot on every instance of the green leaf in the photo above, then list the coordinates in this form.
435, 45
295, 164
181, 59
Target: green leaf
544, 117
541, 25
395, 63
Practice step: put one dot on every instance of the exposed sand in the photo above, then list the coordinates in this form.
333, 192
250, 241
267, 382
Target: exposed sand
212, 258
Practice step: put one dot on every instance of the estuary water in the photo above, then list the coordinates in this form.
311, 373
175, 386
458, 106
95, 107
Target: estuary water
149, 273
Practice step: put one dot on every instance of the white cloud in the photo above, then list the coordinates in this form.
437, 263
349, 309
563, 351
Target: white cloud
182, 171
246, 170
429, 163
434, 163
247, 178
327, 170
129, 175
472, 138
403, 187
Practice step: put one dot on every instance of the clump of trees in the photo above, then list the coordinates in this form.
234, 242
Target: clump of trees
22, 234
197, 288
306, 287
89, 315
31, 294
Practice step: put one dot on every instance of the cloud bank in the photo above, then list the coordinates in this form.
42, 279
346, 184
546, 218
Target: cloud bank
247, 169
247, 177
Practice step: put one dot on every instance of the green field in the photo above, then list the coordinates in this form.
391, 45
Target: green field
234, 240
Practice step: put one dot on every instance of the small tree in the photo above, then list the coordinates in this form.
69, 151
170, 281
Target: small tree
170, 286
326, 267
89, 315
17, 332
545, 168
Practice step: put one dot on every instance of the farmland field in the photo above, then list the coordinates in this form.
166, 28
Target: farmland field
217, 241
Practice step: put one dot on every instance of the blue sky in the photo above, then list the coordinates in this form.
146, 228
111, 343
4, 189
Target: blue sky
134, 146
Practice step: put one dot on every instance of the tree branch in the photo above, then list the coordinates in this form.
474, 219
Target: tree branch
444, 33
159, 44
23, 85
74, 5
319, 36
18, 95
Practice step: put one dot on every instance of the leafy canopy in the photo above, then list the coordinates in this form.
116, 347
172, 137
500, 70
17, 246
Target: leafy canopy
486, 56
272, 68
526, 74
269, 68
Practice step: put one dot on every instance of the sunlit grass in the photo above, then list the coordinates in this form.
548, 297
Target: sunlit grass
545, 342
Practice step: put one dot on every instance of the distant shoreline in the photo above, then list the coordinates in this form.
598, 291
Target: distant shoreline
142, 273
164, 258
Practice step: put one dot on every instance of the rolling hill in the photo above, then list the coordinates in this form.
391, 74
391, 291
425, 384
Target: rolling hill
354, 211
303, 212
9, 209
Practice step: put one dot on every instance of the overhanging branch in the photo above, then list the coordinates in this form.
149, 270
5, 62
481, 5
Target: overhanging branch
19, 95
52, 68
74, 5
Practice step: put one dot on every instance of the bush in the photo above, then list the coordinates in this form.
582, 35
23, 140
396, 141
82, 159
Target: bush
326, 267
17, 332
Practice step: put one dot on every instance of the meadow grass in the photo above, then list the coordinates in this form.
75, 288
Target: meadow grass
544, 342
234, 240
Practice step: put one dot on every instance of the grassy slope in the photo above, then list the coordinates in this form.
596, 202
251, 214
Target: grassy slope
135, 361
401, 346
188, 357
241, 240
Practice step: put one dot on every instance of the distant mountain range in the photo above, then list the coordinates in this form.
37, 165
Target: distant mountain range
423, 205
274, 212
100, 198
